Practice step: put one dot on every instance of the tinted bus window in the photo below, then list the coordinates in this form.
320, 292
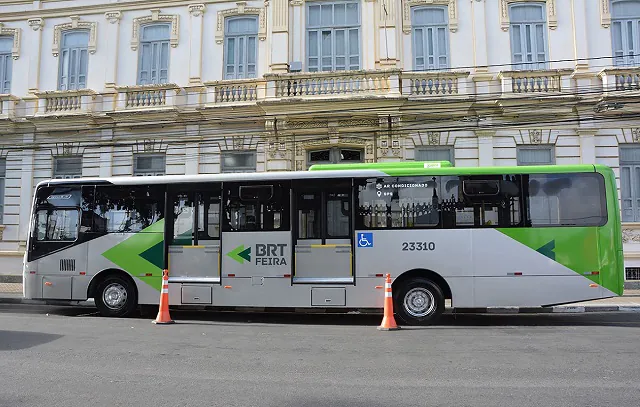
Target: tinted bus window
566, 200
256, 207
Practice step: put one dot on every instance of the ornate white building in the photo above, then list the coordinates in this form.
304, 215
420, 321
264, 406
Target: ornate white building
120, 87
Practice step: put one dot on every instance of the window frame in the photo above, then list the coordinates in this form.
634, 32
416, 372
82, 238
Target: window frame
634, 196
66, 174
436, 27
72, 82
520, 27
139, 173
245, 55
539, 147
450, 149
6, 68
332, 28
165, 41
334, 155
625, 59
239, 169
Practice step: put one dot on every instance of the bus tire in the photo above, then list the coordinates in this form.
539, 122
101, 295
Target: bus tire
419, 301
116, 296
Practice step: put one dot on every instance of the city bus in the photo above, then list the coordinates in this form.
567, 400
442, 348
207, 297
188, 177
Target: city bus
325, 239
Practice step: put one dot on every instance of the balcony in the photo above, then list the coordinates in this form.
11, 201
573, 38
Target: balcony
244, 91
8, 106
149, 97
333, 84
620, 79
436, 84
67, 102
539, 82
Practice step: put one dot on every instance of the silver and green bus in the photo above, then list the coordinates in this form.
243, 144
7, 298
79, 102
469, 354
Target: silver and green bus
325, 238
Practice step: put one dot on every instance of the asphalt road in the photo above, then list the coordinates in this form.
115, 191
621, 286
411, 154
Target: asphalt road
70, 357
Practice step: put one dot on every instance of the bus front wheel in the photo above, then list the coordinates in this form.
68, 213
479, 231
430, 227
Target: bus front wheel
419, 301
116, 297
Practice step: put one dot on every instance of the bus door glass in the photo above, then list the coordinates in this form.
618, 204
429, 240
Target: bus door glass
194, 231
323, 230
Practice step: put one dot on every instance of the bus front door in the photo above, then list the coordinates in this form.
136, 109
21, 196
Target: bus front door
194, 241
322, 232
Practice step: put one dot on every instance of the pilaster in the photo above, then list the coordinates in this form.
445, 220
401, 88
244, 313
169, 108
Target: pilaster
587, 145
192, 150
485, 147
35, 43
26, 186
111, 70
479, 22
196, 12
279, 36
580, 38
106, 154
387, 25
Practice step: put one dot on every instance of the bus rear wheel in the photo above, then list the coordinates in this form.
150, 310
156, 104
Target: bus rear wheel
116, 297
419, 301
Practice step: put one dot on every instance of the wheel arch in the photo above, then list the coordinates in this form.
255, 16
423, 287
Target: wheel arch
424, 273
100, 276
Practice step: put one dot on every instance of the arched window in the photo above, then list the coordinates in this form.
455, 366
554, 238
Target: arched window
625, 32
241, 47
528, 35
153, 65
6, 63
72, 74
430, 38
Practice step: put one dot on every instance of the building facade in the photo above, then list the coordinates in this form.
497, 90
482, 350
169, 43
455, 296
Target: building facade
147, 87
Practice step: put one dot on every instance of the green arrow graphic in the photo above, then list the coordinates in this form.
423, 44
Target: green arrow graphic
548, 250
240, 254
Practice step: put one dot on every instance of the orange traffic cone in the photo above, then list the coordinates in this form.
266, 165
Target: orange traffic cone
163, 313
388, 322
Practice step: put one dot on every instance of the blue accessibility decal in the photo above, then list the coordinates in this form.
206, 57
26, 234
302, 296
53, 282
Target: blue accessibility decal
365, 239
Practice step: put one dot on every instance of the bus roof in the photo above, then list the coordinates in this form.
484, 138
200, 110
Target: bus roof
412, 168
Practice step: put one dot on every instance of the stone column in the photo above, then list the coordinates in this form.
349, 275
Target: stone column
35, 45
587, 145
26, 187
112, 42
195, 43
280, 36
485, 147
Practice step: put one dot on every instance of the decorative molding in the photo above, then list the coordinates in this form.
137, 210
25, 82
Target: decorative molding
113, 17
552, 17
535, 136
197, 10
359, 123
16, 33
242, 10
36, 24
433, 138
307, 124
296, 3
75, 24
406, 12
71, 149
156, 17
150, 146
635, 135
605, 13
630, 235
277, 148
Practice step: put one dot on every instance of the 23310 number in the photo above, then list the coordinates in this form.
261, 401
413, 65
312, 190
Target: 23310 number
418, 246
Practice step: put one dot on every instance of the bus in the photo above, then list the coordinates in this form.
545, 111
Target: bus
325, 238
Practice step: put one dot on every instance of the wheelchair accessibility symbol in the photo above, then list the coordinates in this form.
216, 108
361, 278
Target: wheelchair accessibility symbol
365, 239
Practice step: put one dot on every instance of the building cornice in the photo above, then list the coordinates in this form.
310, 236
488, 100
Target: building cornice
99, 8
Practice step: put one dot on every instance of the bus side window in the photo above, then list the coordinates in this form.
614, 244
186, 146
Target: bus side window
490, 201
257, 207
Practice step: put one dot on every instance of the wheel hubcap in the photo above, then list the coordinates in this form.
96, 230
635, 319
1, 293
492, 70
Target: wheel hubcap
114, 296
419, 302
